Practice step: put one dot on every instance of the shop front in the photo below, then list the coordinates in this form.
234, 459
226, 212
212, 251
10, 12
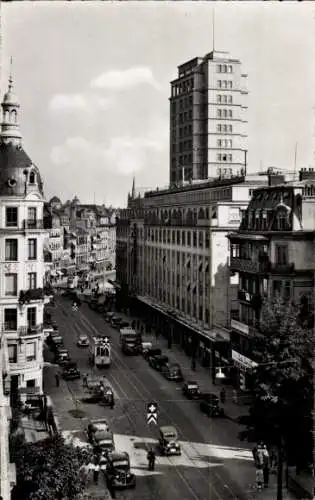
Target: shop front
243, 369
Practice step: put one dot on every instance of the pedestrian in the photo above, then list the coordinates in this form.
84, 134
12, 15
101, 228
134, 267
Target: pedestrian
84, 381
259, 479
235, 397
112, 402
193, 364
57, 380
96, 473
222, 395
266, 476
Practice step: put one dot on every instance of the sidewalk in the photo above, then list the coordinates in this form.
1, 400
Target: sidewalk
34, 430
232, 410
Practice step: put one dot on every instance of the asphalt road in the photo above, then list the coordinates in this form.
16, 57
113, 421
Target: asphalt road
208, 465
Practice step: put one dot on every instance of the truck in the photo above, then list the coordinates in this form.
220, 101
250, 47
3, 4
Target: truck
130, 341
100, 351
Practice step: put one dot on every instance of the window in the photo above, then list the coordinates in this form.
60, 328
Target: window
219, 157
32, 249
218, 128
31, 214
10, 319
230, 99
31, 317
231, 129
195, 238
11, 249
31, 280
281, 254
230, 84
11, 216
188, 238
219, 84
32, 178
219, 68
230, 69
12, 352
219, 98
30, 351
219, 143
11, 284
219, 113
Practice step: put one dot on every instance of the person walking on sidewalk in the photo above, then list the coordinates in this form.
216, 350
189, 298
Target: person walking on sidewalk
57, 378
96, 473
259, 478
266, 475
222, 395
84, 381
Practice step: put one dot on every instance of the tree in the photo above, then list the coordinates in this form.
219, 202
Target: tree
49, 470
282, 383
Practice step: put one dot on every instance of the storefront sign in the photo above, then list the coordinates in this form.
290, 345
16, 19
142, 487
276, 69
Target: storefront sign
242, 361
240, 327
234, 216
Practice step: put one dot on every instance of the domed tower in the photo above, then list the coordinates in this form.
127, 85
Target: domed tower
21, 243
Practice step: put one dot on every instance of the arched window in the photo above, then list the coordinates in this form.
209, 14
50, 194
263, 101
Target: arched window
32, 178
14, 116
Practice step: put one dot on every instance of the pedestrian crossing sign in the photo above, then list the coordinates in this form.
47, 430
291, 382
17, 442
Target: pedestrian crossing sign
152, 413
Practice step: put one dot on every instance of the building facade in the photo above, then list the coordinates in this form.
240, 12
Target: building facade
208, 124
172, 255
272, 253
22, 263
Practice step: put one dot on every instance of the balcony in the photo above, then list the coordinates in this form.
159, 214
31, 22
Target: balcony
282, 268
249, 266
24, 331
33, 224
27, 296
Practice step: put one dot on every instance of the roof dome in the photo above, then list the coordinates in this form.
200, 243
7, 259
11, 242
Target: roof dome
18, 175
55, 199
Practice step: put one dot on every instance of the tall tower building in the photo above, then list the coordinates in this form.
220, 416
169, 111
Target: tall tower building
21, 249
208, 125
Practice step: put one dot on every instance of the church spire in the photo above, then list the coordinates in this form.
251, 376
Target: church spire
10, 129
133, 190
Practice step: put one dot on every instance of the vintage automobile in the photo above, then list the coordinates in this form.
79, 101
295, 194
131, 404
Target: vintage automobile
118, 473
116, 321
62, 356
83, 340
172, 371
71, 371
158, 361
191, 390
108, 316
102, 440
168, 441
210, 405
97, 425
152, 351
102, 394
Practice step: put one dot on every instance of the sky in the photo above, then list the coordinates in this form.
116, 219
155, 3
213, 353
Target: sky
93, 83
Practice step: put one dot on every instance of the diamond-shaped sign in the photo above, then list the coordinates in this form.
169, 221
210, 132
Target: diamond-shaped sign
152, 413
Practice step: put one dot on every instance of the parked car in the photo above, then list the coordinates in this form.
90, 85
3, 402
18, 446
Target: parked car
152, 351
96, 425
191, 390
210, 404
83, 340
168, 441
62, 356
71, 371
172, 371
102, 395
116, 322
109, 315
158, 361
118, 473
103, 440
124, 324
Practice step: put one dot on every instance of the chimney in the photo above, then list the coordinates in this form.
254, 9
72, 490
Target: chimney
307, 173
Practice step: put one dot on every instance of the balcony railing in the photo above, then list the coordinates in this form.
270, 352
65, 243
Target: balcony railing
29, 295
33, 224
30, 330
282, 268
249, 265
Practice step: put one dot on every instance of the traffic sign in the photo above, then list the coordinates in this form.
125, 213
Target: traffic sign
152, 413
106, 340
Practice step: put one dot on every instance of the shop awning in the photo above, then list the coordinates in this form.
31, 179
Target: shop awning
245, 236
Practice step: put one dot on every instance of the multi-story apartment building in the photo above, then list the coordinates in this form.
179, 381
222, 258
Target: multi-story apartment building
272, 252
21, 252
172, 255
208, 125
7, 469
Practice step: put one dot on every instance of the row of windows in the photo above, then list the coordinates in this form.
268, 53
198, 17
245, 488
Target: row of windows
184, 145
11, 215
185, 131
224, 113
224, 99
11, 249
11, 283
196, 239
225, 128
248, 251
10, 318
184, 117
224, 68
224, 157
183, 87
224, 143
225, 84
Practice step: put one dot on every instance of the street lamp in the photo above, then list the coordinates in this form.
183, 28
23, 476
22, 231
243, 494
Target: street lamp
219, 374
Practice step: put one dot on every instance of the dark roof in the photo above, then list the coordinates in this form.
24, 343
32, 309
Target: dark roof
12, 156
55, 199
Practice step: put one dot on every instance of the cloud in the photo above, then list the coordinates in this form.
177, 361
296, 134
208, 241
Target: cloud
122, 156
122, 79
78, 102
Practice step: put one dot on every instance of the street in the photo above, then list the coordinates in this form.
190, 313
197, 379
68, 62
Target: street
209, 466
